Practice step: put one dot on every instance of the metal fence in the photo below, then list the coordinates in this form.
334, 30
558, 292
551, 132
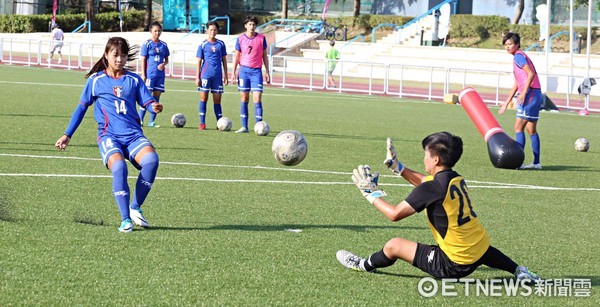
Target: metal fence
416, 81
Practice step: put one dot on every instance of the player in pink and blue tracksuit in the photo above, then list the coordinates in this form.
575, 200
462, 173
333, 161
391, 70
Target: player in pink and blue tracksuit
211, 72
116, 92
529, 97
250, 55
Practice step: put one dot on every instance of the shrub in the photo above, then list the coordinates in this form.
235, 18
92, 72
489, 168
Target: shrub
105, 22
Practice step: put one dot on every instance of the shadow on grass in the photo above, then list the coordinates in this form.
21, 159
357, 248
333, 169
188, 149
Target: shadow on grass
4, 213
353, 137
400, 275
559, 168
283, 227
34, 115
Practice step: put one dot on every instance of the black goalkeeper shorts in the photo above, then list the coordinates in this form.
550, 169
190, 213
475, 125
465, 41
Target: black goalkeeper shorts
432, 260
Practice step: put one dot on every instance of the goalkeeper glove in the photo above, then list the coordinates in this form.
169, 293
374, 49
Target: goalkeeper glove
390, 159
367, 183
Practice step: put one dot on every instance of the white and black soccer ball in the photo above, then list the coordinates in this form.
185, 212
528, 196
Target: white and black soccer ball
178, 120
582, 144
289, 147
262, 128
224, 124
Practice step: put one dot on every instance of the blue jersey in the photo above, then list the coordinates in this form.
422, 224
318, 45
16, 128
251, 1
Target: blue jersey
155, 54
115, 110
212, 54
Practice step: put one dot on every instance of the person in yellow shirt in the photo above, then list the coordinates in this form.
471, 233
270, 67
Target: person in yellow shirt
462, 242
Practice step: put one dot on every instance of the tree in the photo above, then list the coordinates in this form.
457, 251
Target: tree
148, 17
578, 3
356, 11
520, 8
284, 9
89, 14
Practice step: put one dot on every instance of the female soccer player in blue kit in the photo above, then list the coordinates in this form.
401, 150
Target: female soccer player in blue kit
154, 55
211, 71
115, 90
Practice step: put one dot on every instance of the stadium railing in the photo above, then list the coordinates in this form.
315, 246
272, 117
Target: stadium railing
429, 82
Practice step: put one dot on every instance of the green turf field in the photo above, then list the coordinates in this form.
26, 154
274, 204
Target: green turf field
221, 206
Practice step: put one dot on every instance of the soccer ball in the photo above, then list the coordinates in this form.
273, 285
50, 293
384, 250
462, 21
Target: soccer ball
224, 124
582, 144
178, 120
262, 128
289, 147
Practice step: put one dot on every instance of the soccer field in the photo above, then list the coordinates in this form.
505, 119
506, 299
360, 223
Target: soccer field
231, 226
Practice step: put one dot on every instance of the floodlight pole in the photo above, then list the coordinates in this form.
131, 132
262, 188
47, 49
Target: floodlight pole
587, 50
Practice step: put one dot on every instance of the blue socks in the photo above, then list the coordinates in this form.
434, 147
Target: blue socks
244, 114
520, 138
258, 111
142, 113
535, 145
120, 187
145, 180
218, 111
202, 111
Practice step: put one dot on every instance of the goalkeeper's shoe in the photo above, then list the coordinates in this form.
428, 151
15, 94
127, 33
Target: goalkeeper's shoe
126, 226
351, 260
138, 218
242, 130
523, 273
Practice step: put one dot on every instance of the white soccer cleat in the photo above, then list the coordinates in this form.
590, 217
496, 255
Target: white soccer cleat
350, 260
242, 130
532, 166
138, 218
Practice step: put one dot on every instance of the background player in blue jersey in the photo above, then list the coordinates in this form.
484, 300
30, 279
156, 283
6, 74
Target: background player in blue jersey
154, 54
250, 55
462, 242
116, 91
211, 72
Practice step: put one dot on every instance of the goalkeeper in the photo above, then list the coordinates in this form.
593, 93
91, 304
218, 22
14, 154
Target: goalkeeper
462, 242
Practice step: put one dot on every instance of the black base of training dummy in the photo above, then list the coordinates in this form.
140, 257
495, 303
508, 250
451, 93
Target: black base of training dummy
505, 152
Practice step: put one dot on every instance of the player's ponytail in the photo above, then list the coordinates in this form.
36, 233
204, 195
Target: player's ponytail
117, 43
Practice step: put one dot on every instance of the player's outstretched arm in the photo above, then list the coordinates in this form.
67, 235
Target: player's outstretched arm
391, 161
367, 183
157, 107
62, 142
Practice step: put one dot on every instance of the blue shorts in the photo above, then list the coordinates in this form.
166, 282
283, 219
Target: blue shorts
251, 79
126, 146
530, 109
156, 83
213, 85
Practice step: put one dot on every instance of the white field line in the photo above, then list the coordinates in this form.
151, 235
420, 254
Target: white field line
473, 183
